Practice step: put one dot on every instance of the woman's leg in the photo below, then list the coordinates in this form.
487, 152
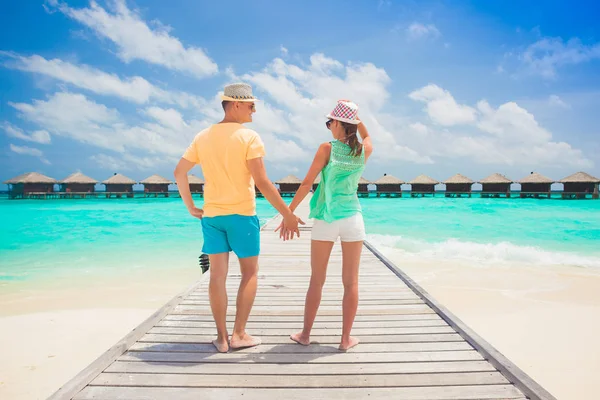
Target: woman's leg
350, 262
319, 258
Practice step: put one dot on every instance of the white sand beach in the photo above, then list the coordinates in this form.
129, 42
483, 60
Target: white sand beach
544, 320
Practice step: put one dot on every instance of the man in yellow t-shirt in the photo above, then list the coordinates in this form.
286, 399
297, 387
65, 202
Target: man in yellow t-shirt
231, 158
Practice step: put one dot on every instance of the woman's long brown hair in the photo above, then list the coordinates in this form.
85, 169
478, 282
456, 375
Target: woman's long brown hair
352, 138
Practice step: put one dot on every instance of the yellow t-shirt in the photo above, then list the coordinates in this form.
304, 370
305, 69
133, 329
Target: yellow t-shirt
222, 151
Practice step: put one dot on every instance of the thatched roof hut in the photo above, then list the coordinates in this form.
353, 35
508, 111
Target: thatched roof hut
78, 183
30, 182
389, 184
119, 183
363, 185
196, 184
458, 184
580, 184
496, 183
536, 183
423, 184
156, 184
289, 184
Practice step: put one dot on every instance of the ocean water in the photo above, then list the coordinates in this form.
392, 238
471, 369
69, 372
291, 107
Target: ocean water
61, 239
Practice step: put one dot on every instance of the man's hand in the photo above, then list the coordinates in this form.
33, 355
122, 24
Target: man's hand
196, 212
289, 226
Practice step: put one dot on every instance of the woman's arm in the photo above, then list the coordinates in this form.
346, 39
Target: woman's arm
366, 139
320, 161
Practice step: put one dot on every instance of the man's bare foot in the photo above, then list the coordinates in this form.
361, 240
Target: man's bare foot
244, 341
221, 345
300, 339
350, 343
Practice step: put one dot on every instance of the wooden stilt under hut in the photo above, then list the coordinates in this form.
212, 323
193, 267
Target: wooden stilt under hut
580, 185
422, 186
196, 184
363, 187
495, 185
289, 185
316, 183
458, 186
536, 185
155, 186
118, 186
389, 186
31, 185
78, 185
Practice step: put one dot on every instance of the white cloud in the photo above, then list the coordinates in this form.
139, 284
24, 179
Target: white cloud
40, 136
78, 118
128, 162
135, 89
510, 122
441, 106
135, 40
547, 55
417, 30
555, 101
29, 151
284, 51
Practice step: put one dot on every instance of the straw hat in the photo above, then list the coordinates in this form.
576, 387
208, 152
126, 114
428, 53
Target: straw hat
345, 111
238, 92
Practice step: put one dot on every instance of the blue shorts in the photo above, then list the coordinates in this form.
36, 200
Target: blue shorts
237, 233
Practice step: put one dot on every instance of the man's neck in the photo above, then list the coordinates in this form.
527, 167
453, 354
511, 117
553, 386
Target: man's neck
229, 119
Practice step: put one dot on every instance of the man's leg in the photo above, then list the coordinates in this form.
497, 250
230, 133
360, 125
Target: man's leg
319, 259
245, 300
217, 293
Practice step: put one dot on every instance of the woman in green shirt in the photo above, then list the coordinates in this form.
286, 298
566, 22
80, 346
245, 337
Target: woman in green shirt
337, 214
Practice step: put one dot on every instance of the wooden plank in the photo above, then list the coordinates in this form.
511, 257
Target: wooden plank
478, 392
408, 309
519, 378
299, 369
317, 331
293, 348
298, 324
299, 381
267, 358
300, 303
333, 337
73, 386
320, 318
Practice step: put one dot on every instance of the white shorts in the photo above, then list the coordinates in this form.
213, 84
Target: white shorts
351, 229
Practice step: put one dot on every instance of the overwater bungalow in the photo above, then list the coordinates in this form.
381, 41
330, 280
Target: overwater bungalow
118, 184
78, 184
316, 182
30, 185
458, 185
363, 187
388, 186
579, 186
536, 185
289, 185
495, 185
422, 186
196, 184
155, 186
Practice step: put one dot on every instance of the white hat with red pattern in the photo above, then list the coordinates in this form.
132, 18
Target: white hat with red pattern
345, 111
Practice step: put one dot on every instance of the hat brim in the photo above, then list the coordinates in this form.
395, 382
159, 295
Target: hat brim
346, 120
227, 98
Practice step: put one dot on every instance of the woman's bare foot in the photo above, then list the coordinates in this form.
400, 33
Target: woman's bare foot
348, 344
300, 339
245, 341
221, 345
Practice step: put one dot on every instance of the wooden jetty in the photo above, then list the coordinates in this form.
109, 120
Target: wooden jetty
411, 346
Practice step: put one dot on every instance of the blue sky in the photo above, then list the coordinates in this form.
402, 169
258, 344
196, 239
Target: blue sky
444, 87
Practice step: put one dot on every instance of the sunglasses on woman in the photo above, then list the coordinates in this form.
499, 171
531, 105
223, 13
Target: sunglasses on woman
328, 123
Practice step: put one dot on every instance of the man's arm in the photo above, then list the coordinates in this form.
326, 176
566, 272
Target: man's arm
263, 183
181, 177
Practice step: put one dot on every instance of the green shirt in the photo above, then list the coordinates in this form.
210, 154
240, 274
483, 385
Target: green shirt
335, 197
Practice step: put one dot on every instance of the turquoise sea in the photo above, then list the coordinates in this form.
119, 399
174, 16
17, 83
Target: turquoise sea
59, 239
